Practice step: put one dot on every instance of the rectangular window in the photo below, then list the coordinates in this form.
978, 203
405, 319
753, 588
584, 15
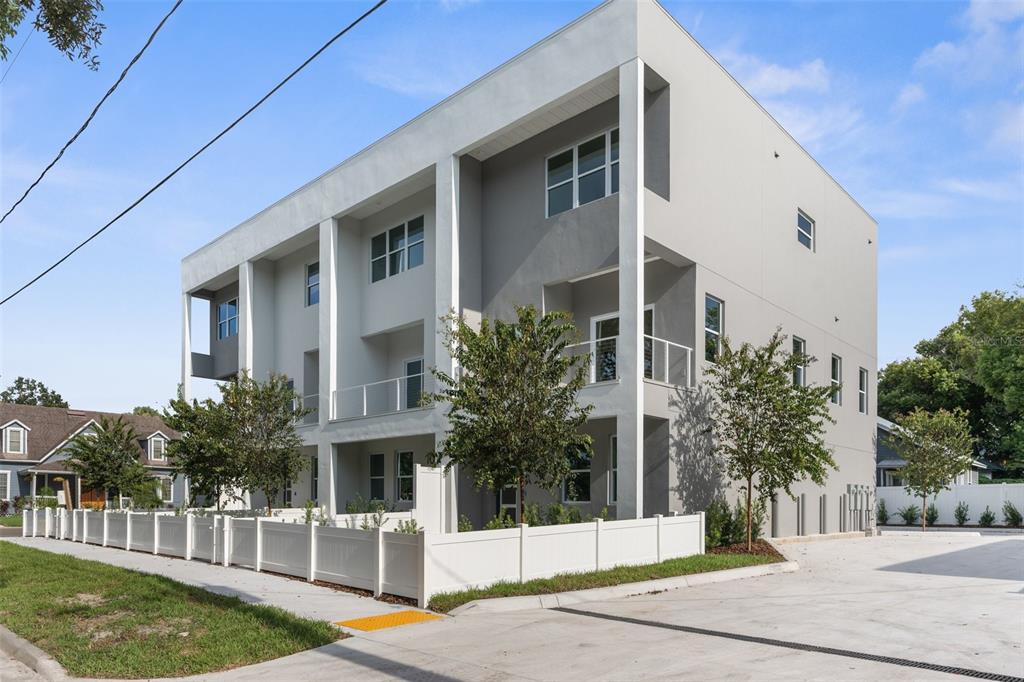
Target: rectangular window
5, 485
837, 380
805, 229
800, 371
158, 449
312, 284
576, 487
397, 250
314, 484
613, 473
508, 501
287, 493
15, 440
377, 477
403, 476
413, 383
227, 319
862, 392
583, 173
166, 489
712, 327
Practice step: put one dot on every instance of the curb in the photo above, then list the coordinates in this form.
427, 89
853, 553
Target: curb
28, 653
551, 601
802, 539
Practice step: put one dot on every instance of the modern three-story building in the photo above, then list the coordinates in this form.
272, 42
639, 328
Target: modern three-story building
615, 171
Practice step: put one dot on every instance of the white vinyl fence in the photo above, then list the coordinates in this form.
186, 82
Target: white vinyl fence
976, 497
410, 565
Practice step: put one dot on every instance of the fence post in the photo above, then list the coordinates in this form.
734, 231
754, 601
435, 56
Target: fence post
24, 523
259, 543
226, 551
189, 523
378, 561
128, 532
74, 525
213, 541
311, 563
703, 537
47, 522
85, 526
598, 527
657, 519
156, 533
424, 570
106, 525
523, 532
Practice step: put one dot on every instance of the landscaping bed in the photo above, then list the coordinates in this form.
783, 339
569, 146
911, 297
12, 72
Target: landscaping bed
758, 548
99, 620
567, 582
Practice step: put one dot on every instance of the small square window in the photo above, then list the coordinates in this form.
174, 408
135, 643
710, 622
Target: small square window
805, 230
397, 250
584, 173
227, 319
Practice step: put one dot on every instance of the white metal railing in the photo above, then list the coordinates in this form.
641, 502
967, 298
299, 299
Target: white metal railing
667, 361
380, 397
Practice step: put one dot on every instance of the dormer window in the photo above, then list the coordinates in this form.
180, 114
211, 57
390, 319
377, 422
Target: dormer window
15, 440
158, 448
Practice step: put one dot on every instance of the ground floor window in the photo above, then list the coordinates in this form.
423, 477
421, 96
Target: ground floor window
508, 501
287, 494
576, 487
314, 483
5, 485
377, 477
403, 476
166, 489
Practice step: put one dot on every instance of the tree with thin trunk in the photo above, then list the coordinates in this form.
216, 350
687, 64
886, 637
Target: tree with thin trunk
513, 411
767, 427
260, 420
204, 454
108, 457
26, 391
937, 447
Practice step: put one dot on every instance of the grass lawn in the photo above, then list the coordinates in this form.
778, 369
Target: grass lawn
11, 521
99, 620
566, 582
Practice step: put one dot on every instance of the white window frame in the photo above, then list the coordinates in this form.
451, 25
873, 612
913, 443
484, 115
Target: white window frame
814, 228
407, 376
721, 326
22, 444
7, 485
862, 390
226, 322
382, 478
399, 476
309, 287
404, 250
801, 370
590, 483
163, 449
512, 509
314, 483
613, 470
287, 493
160, 489
575, 178
837, 383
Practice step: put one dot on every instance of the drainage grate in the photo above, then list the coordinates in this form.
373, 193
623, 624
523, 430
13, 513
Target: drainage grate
892, 660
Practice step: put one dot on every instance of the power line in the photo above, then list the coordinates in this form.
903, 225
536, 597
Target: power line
16, 55
198, 152
92, 114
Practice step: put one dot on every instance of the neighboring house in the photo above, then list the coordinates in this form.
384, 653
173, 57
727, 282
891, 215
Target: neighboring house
34, 451
888, 463
615, 171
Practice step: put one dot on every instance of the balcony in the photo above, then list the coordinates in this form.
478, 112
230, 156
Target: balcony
380, 397
665, 361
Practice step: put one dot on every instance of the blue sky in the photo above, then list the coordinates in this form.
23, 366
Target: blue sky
916, 108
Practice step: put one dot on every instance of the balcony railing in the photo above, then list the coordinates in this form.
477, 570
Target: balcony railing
380, 397
664, 361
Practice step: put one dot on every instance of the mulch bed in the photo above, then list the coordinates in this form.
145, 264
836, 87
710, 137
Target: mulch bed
760, 547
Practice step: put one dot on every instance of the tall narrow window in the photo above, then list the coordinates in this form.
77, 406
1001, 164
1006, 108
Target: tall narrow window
158, 448
800, 371
805, 229
613, 473
227, 319
166, 489
5, 485
403, 476
287, 493
576, 487
712, 327
314, 484
377, 477
413, 383
862, 391
583, 173
397, 250
508, 501
312, 284
15, 440
379, 257
837, 380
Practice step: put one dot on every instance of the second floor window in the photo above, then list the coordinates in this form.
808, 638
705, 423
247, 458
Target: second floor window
227, 319
800, 371
712, 327
805, 230
158, 448
583, 173
837, 380
397, 250
862, 391
312, 284
15, 440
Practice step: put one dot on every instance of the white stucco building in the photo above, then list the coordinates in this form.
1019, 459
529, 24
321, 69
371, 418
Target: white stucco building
614, 170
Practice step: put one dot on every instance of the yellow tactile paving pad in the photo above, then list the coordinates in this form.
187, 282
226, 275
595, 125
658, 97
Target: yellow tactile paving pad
389, 620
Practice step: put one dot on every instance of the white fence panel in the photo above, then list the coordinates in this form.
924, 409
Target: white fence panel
569, 548
680, 536
629, 542
117, 530
243, 542
458, 560
172, 535
39, 522
94, 531
346, 556
142, 532
202, 537
977, 498
285, 548
401, 564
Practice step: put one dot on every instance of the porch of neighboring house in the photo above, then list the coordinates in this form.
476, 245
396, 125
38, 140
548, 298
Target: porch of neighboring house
53, 475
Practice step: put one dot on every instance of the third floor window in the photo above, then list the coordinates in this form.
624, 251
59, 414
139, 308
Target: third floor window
397, 250
312, 284
227, 319
583, 173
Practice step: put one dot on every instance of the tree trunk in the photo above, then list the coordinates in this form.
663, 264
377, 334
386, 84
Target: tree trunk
522, 498
270, 504
750, 514
924, 512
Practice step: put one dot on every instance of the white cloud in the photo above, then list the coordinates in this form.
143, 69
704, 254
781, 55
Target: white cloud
1008, 131
456, 5
764, 79
911, 94
817, 127
910, 205
990, 190
990, 48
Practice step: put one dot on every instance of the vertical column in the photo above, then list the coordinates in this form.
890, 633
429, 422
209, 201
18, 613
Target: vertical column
446, 289
630, 420
245, 340
328, 318
326, 482
186, 346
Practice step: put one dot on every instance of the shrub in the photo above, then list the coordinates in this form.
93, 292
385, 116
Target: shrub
409, 526
46, 491
502, 520
465, 525
1011, 515
881, 513
718, 528
94, 505
374, 520
931, 515
987, 518
532, 515
20, 501
558, 514
960, 514
361, 505
910, 514
5, 507
739, 521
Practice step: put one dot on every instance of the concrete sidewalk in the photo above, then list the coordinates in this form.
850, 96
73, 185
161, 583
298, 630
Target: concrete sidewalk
297, 596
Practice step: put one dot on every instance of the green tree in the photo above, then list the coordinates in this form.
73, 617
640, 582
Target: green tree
72, 26
203, 453
260, 419
513, 415
768, 430
936, 446
26, 391
108, 458
145, 410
